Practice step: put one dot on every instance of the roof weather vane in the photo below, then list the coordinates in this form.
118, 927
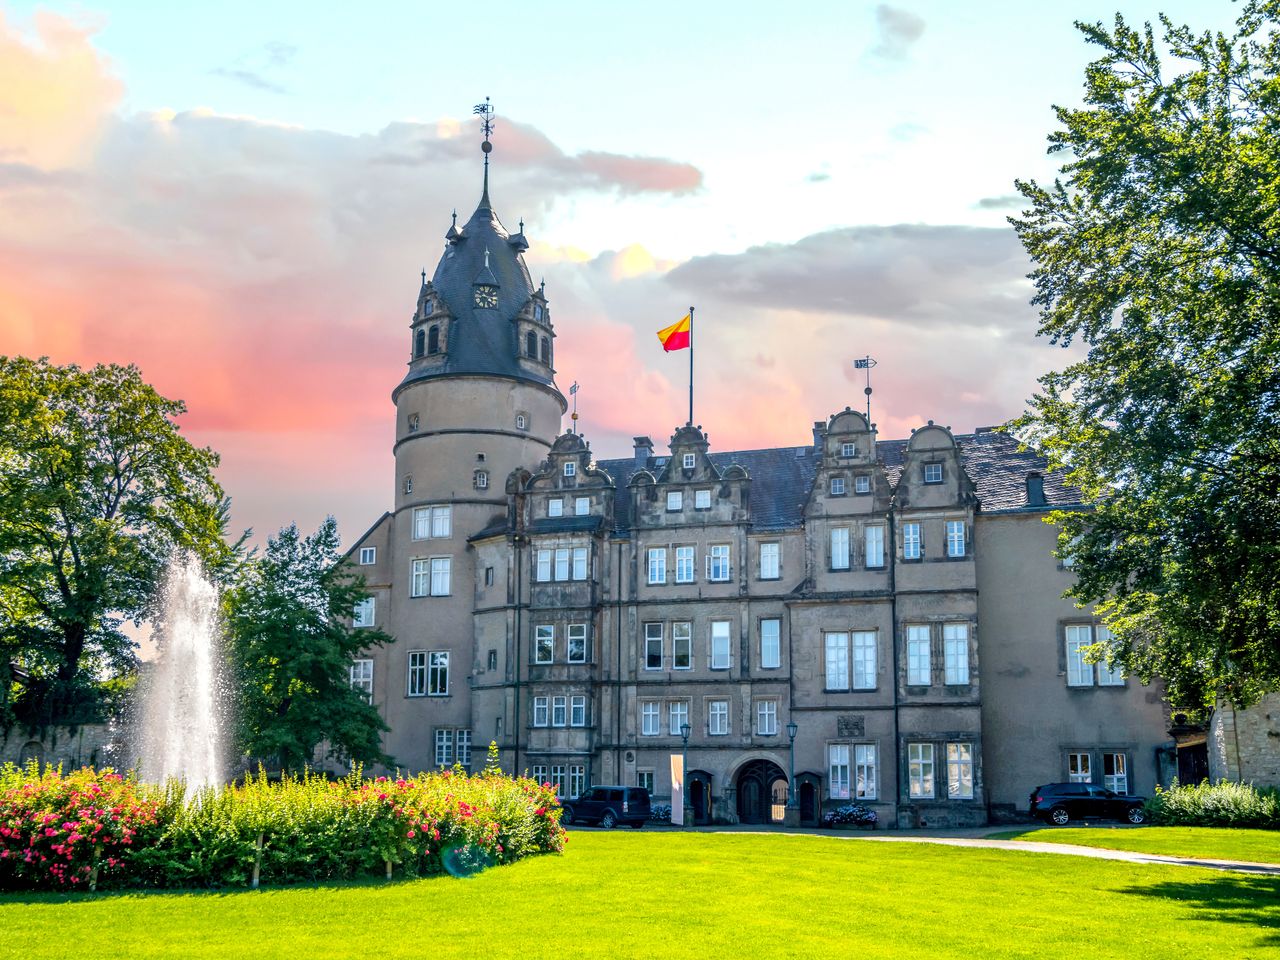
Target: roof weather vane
866, 363
573, 392
485, 112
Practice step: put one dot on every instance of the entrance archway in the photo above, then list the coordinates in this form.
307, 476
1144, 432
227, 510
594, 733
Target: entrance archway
700, 796
808, 790
762, 792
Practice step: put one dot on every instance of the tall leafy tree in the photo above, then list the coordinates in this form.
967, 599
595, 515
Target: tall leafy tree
1158, 250
97, 488
291, 644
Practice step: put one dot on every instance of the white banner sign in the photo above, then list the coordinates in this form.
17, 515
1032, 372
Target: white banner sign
677, 789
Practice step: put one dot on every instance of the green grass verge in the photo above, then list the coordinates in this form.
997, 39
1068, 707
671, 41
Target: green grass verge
1206, 843
658, 894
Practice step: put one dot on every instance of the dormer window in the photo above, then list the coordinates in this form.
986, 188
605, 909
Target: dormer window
570, 468
419, 343
531, 345
689, 461
862, 484
933, 473
486, 296
546, 351
702, 499
582, 506
537, 311
848, 449
837, 486
555, 507
433, 341
675, 500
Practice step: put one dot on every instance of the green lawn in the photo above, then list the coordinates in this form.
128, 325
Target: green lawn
1207, 843
657, 894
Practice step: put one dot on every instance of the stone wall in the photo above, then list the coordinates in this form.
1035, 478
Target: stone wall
72, 747
1244, 745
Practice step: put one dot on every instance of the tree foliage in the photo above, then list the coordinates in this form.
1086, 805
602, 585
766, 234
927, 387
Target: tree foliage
1159, 251
97, 488
291, 646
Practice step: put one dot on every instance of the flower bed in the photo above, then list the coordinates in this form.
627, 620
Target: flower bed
90, 830
851, 815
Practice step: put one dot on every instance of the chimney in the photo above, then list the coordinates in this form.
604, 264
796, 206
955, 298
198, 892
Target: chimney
644, 450
1035, 490
819, 431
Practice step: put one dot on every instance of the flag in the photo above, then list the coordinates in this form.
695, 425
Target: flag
676, 336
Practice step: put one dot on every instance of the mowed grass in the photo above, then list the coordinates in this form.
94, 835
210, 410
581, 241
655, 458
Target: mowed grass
658, 894
1205, 843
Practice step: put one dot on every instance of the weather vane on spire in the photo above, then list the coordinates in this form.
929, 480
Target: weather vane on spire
485, 112
573, 392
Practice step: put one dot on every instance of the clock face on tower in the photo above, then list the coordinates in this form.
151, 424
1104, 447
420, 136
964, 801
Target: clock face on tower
486, 296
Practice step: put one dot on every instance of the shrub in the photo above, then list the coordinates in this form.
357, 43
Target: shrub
854, 813
1221, 804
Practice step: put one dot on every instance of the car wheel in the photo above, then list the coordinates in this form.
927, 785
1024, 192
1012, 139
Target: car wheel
1136, 815
1059, 817
608, 821
566, 816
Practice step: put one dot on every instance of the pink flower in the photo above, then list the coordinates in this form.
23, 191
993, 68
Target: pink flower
411, 834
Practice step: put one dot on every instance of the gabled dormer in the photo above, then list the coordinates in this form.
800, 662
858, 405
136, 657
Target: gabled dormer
430, 328
568, 491
850, 478
689, 487
535, 338
933, 474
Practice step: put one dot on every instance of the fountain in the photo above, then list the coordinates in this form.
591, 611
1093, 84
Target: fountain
181, 736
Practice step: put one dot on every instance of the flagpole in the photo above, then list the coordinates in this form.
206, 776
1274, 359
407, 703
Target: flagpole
691, 366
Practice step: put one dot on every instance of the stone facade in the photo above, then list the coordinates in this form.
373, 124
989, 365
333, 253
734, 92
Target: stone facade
73, 747
1244, 745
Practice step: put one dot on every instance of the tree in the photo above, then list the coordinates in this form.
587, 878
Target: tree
1159, 250
97, 489
291, 646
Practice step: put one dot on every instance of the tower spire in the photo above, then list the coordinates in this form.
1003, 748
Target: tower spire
485, 112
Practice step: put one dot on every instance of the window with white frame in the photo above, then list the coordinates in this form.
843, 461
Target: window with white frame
864, 660
920, 770
874, 536
362, 616
919, 667
689, 461
912, 548
718, 718
481, 481
675, 500
955, 652
541, 711
441, 572
767, 718
542, 569
438, 674
682, 645
577, 711
577, 779
960, 771
862, 483
1079, 638
677, 716
955, 538
562, 564
839, 548
653, 646
933, 473
579, 563
657, 565
522, 422
702, 499
444, 748
544, 643
644, 778
864, 771
417, 674
420, 585
1108, 676
581, 506
719, 644
570, 468
837, 486
539, 773
684, 564
558, 779
368, 555
1079, 769
1115, 772
577, 643
649, 719
559, 711
837, 661
555, 507
718, 562
360, 676
848, 449
463, 740
770, 643
770, 560
838, 767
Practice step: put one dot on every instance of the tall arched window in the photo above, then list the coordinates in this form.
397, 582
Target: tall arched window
433, 340
531, 345
546, 351
418, 339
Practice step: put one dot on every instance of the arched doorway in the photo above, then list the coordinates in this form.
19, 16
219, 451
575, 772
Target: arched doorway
808, 792
700, 796
762, 792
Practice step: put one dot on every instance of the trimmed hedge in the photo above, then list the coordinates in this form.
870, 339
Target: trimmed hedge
95, 830
1221, 804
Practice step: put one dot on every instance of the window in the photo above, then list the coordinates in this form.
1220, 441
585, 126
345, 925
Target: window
653, 646
570, 468
862, 484
444, 748
419, 341
363, 615
875, 545
675, 500
1078, 768
677, 716
837, 486
433, 340
368, 555
848, 449
555, 507
770, 561
581, 506
718, 562
911, 544
864, 771
770, 643
540, 774
417, 685
408, 484
690, 461
649, 718
542, 572
1107, 675
955, 652
522, 422
544, 643
840, 548
955, 538
577, 779
838, 764
682, 646
933, 473
837, 647
493, 660
718, 718
541, 711
577, 652
432, 523
488, 576
431, 577
919, 669
464, 747
864, 660
438, 674
413, 423
559, 711
920, 769
557, 769
531, 345
562, 563
719, 644
1115, 772
482, 480
644, 778
684, 564
578, 711
767, 718
657, 565
361, 677
960, 771
1079, 639
579, 563
702, 499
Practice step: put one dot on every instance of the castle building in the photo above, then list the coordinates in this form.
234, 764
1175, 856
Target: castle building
879, 621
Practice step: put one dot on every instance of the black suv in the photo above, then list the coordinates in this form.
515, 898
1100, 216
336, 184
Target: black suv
1060, 803
608, 806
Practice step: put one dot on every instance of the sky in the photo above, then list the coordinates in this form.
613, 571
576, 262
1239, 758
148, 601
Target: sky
239, 197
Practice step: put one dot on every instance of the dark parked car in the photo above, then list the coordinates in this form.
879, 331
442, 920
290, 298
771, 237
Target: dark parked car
608, 806
1060, 803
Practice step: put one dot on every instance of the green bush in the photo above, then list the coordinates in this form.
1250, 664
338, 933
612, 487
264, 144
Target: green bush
1221, 804
304, 828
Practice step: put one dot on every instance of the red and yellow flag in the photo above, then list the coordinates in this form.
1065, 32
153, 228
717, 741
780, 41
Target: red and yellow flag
676, 336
